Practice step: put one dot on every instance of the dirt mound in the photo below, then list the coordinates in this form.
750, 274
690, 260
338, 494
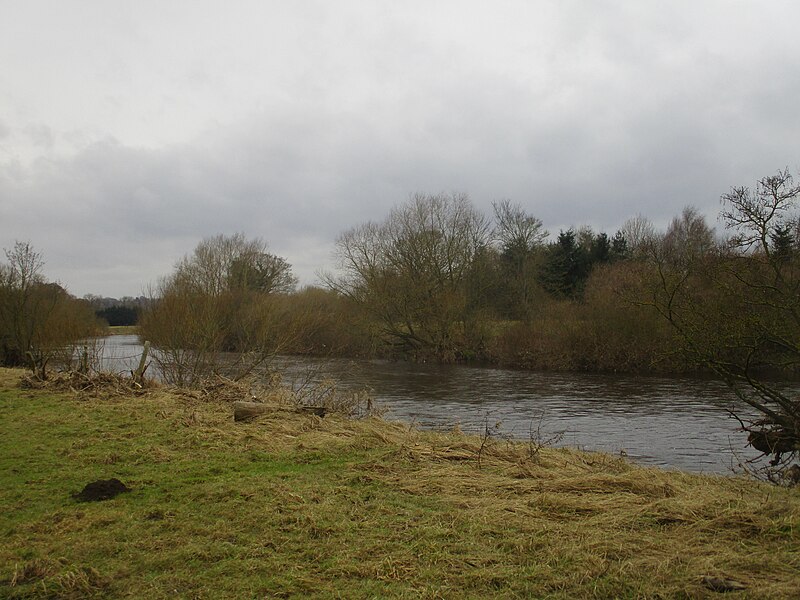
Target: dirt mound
102, 489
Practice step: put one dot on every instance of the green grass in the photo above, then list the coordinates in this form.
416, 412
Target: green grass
292, 505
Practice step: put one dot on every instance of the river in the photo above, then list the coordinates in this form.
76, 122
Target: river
671, 422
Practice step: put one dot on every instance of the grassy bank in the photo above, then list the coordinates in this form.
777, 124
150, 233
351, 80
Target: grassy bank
293, 505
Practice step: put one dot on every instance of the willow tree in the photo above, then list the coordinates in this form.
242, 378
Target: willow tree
223, 308
414, 272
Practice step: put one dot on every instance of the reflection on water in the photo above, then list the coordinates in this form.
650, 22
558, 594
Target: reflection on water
665, 421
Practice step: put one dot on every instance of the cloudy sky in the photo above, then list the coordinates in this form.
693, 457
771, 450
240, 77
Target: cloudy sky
131, 130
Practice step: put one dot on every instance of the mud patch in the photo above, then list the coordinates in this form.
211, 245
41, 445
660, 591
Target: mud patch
102, 489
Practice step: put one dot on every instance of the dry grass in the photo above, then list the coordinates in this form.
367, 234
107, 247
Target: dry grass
87, 384
294, 505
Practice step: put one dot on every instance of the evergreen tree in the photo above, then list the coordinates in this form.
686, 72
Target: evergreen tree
566, 266
601, 249
782, 242
619, 247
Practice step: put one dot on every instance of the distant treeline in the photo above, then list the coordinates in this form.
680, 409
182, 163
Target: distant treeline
116, 312
119, 315
437, 280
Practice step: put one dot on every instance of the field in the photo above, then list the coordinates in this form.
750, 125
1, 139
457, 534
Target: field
294, 505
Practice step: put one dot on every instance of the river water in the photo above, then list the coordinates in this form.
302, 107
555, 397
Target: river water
671, 422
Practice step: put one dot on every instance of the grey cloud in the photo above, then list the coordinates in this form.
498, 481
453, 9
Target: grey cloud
606, 112
299, 182
40, 135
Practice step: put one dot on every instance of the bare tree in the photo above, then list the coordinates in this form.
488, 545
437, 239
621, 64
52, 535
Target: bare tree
755, 216
521, 237
411, 272
738, 311
221, 263
517, 230
639, 233
688, 237
262, 272
19, 277
37, 319
221, 310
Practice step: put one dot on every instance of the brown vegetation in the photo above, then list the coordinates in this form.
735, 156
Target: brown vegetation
736, 309
223, 308
39, 320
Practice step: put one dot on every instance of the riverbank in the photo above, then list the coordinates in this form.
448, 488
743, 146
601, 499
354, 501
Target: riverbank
294, 505
671, 422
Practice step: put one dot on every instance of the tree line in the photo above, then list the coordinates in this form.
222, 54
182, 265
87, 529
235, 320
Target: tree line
437, 280
117, 312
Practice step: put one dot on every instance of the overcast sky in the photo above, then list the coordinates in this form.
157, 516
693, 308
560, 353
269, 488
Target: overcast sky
131, 130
